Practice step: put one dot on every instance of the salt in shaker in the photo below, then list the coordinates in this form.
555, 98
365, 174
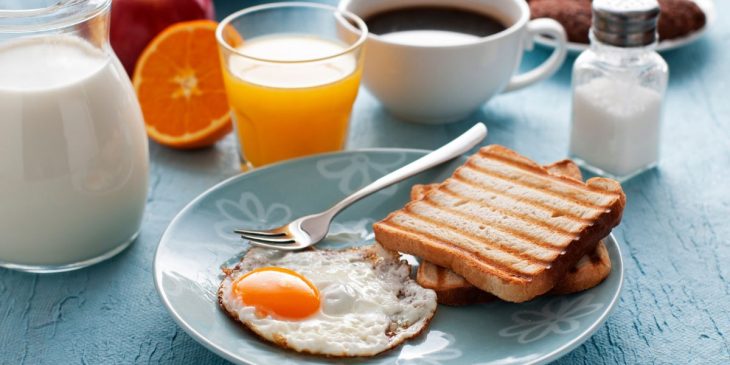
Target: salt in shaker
618, 87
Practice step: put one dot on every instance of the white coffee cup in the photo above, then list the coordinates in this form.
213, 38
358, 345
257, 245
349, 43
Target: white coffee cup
439, 84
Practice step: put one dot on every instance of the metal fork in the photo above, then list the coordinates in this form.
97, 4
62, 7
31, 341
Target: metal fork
311, 229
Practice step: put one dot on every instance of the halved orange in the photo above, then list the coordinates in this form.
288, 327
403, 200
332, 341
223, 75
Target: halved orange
179, 84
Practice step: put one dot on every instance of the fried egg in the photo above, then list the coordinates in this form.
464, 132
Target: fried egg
342, 303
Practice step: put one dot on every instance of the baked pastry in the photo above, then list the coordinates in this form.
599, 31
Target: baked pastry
679, 18
573, 15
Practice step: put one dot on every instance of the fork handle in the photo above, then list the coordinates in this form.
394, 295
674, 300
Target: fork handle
449, 151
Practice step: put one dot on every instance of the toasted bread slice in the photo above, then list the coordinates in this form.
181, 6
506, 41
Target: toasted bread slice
452, 289
506, 224
590, 271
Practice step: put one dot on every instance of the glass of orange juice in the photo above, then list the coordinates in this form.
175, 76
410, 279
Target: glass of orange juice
292, 73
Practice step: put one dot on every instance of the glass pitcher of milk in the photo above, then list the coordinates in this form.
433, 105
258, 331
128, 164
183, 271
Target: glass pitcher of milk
73, 149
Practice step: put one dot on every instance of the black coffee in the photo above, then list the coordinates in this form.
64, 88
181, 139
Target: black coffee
434, 18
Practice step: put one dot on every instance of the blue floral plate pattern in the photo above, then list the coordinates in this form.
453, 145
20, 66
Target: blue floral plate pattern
199, 241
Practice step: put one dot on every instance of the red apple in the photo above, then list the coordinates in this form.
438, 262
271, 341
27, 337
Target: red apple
135, 22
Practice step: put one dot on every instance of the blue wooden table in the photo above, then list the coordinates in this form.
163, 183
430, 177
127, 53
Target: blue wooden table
675, 235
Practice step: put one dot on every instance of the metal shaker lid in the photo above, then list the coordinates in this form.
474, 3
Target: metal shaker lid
625, 23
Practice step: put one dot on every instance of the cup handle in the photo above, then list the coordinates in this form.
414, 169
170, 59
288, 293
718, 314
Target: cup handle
546, 69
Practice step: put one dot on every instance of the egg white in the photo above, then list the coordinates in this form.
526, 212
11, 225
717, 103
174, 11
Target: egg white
369, 303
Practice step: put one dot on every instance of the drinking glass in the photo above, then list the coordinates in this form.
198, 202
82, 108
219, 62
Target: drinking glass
292, 73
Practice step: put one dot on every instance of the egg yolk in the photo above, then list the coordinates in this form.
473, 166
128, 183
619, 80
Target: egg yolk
278, 292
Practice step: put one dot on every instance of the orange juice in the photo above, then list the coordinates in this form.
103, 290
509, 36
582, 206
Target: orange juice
286, 109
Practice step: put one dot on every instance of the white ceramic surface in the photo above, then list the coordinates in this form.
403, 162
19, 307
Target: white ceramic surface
440, 84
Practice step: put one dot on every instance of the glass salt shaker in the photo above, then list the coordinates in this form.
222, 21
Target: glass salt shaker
618, 87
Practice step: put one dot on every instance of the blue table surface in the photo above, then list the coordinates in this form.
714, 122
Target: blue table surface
675, 307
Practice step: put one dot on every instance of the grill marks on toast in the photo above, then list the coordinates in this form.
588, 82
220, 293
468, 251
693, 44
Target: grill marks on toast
495, 230
466, 225
562, 188
441, 277
505, 255
453, 289
500, 219
533, 176
536, 214
508, 216
560, 206
473, 226
491, 259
